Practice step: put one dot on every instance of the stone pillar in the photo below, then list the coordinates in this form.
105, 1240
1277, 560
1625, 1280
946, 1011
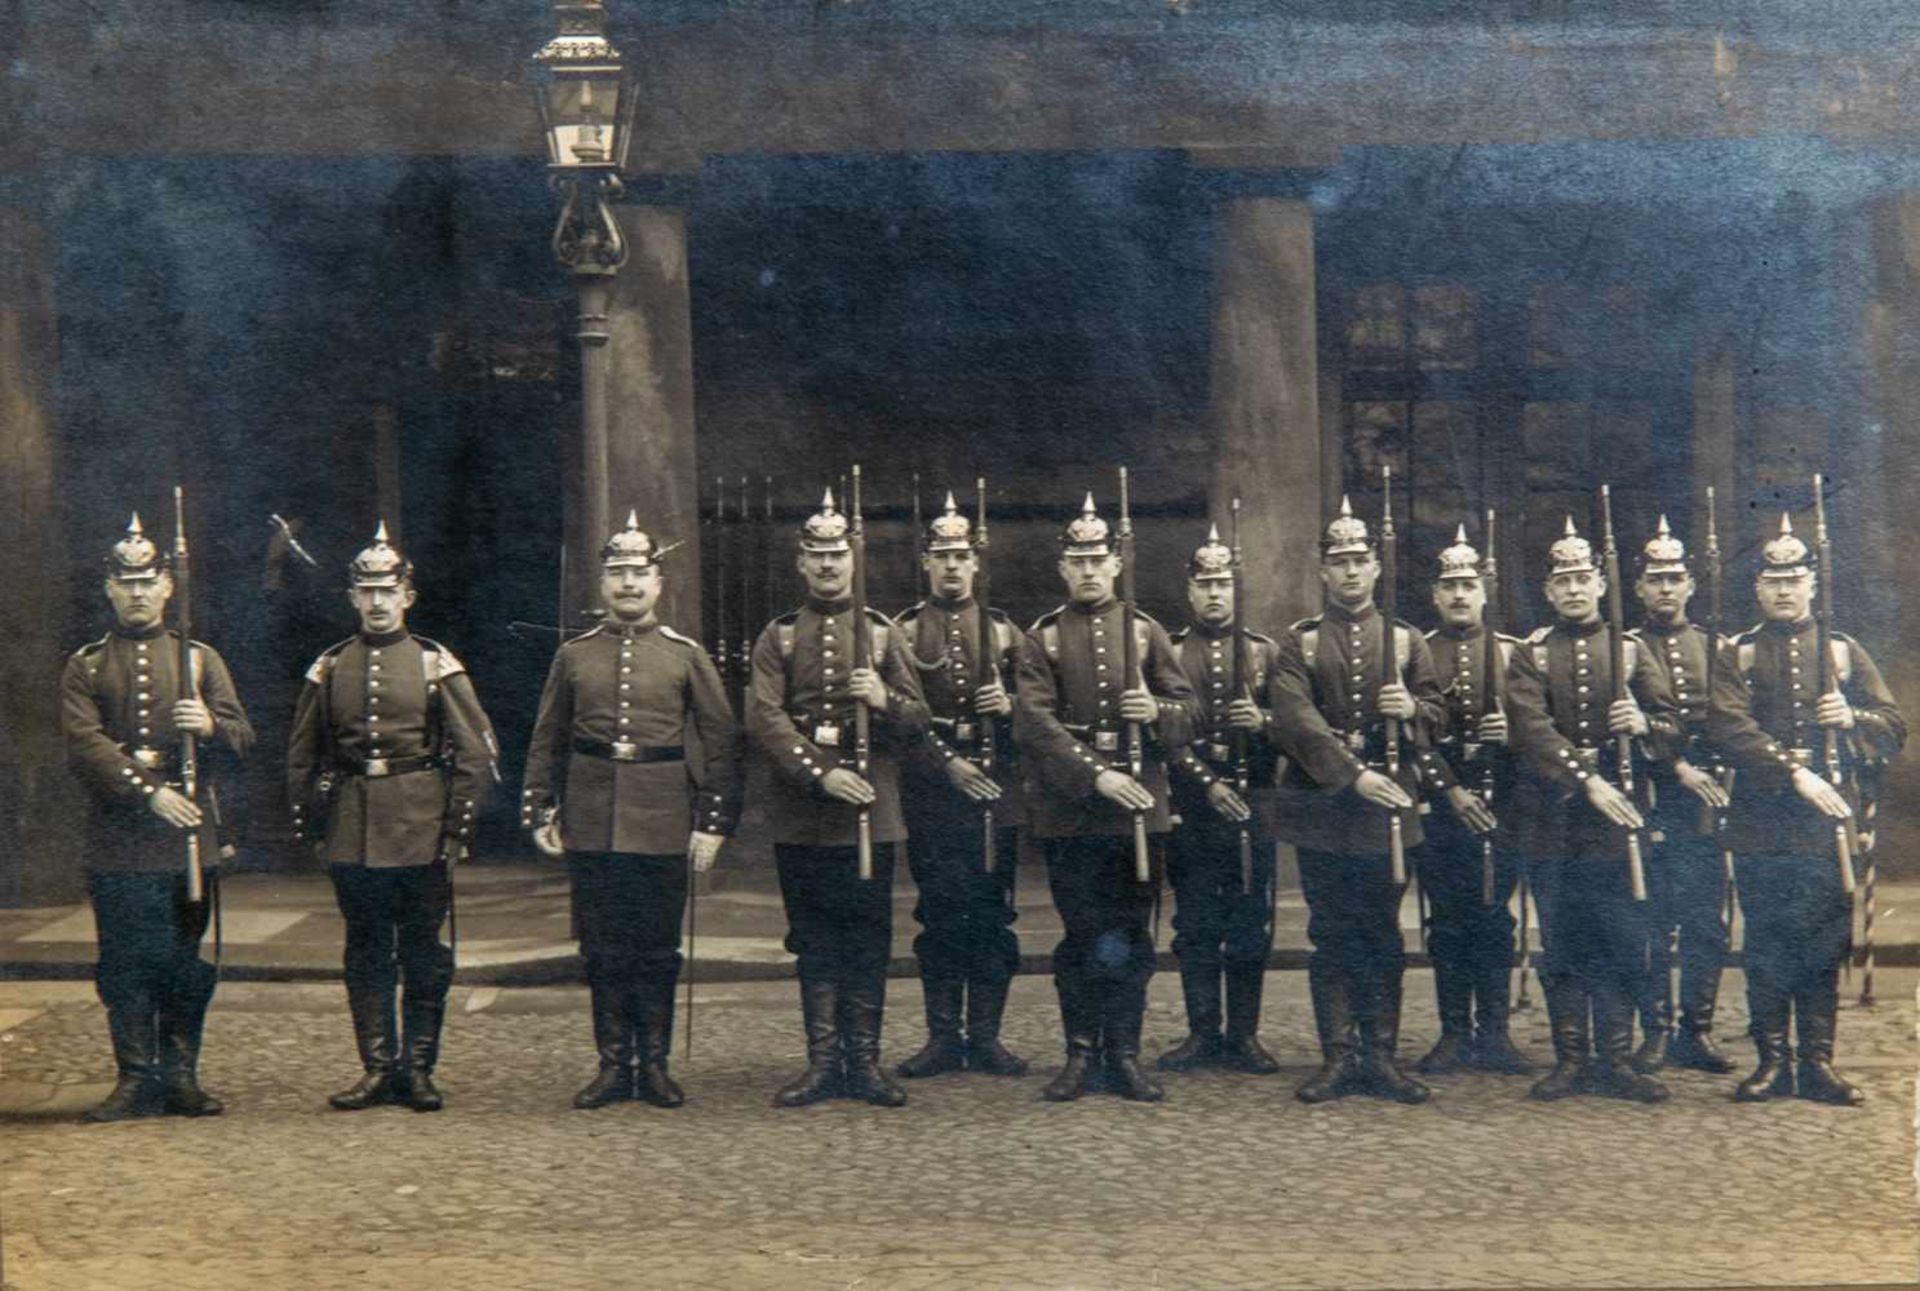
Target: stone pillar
39, 859
1265, 402
650, 443
1881, 467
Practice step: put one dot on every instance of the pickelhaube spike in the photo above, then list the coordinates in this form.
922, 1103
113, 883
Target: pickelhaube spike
379, 563
1347, 534
1459, 560
1664, 553
1572, 554
949, 531
630, 548
1212, 560
1087, 534
135, 559
826, 530
1785, 555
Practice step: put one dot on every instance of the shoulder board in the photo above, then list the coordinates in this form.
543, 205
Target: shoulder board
788, 619
1539, 635
1509, 638
441, 662
92, 648
317, 673
1142, 616
878, 616
1180, 633
999, 616
911, 613
1431, 633
674, 634
1749, 636
1260, 637
590, 632
1633, 634
1050, 616
1305, 625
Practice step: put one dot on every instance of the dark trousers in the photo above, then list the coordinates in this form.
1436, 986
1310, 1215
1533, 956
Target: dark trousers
1593, 934
1686, 891
966, 914
1107, 953
627, 909
1469, 939
1353, 914
1799, 920
149, 935
839, 925
393, 919
1217, 923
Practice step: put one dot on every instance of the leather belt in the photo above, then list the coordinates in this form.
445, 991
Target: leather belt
628, 751
379, 768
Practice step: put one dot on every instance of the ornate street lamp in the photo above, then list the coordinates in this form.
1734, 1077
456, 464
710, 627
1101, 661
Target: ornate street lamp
586, 99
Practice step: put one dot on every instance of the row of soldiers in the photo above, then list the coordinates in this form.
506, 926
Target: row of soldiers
1126, 754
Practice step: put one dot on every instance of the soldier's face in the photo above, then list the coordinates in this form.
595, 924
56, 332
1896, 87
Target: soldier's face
1349, 577
951, 572
1459, 601
1785, 600
139, 602
1665, 595
382, 609
1211, 600
1089, 579
829, 574
630, 593
1575, 597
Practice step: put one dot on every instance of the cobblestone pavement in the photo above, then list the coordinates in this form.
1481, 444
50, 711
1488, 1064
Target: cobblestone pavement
1230, 1183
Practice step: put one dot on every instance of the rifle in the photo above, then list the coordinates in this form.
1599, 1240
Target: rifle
1130, 669
1830, 682
189, 689
862, 658
1237, 670
913, 590
1713, 820
744, 646
1617, 645
722, 643
1390, 666
989, 650
1489, 703
767, 546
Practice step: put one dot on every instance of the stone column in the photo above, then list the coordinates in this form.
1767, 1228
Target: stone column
1265, 402
650, 444
39, 858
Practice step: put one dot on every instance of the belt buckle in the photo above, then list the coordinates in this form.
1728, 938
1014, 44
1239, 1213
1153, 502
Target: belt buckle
1802, 757
827, 735
148, 758
1356, 740
1106, 741
625, 750
1217, 752
376, 767
963, 732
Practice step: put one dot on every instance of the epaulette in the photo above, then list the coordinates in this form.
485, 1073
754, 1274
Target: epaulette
445, 663
1050, 616
317, 673
673, 634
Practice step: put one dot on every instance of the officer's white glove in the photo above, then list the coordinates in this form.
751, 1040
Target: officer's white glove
704, 850
547, 839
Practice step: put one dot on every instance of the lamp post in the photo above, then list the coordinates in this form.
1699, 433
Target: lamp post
586, 98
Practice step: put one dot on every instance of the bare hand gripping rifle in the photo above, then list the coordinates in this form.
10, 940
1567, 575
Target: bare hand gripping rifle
1130, 669
862, 658
1237, 674
989, 650
1617, 645
1390, 667
1830, 684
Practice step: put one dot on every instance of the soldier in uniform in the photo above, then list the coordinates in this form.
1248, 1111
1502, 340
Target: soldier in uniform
390, 760
1223, 920
800, 716
123, 709
1685, 880
1337, 803
1471, 939
615, 784
1570, 822
1069, 722
967, 950
1766, 719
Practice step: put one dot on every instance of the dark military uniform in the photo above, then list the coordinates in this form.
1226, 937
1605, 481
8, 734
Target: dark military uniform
966, 911
1223, 919
1593, 933
800, 717
1326, 719
116, 697
634, 749
1471, 936
390, 760
1767, 687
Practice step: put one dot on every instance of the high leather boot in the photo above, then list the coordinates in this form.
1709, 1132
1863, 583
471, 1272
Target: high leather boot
1126, 1008
1379, 1038
1082, 1027
1614, 1074
1656, 1016
1493, 1047
1693, 1045
1333, 1019
1818, 1006
420, 1022
613, 1039
1567, 1020
136, 1056
944, 1050
650, 1004
182, 1020
862, 1010
1767, 1004
1240, 1047
1200, 985
1453, 991
986, 1005
819, 1011
373, 1035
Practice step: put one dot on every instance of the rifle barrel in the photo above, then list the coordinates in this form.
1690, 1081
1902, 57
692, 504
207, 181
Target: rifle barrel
1390, 666
1617, 647
1830, 680
189, 689
862, 658
1130, 667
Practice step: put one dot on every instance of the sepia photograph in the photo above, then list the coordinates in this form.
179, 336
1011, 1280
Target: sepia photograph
950, 644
